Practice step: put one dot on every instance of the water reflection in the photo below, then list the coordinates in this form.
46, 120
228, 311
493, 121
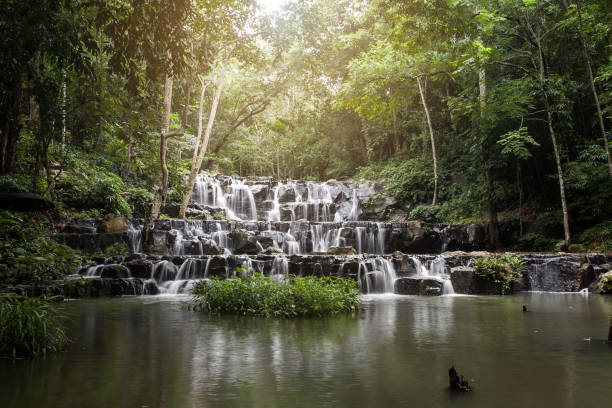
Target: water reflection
154, 352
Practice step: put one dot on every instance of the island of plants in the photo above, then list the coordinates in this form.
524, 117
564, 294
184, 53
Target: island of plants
265, 296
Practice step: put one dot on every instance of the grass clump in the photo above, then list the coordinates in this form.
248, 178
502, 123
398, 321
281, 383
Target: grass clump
258, 295
29, 327
504, 271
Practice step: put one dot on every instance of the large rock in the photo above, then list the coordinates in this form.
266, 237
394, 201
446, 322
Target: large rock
416, 285
140, 268
114, 271
210, 247
113, 223
24, 202
415, 237
462, 278
247, 243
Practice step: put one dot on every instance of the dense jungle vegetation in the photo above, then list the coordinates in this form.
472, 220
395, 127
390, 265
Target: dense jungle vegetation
472, 110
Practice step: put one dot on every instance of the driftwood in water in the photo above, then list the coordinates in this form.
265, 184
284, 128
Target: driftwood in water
610, 330
457, 382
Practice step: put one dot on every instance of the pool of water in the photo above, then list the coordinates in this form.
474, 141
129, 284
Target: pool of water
154, 352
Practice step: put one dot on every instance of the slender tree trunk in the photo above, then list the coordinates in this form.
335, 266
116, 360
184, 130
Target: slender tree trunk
587, 60
196, 148
491, 209
160, 193
433, 142
554, 142
202, 149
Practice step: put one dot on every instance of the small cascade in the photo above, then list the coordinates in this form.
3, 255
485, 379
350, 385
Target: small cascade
240, 201
376, 275
207, 191
545, 276
434, 268
354, 214
135, 238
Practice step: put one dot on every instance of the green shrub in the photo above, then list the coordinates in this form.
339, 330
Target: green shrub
28, 256
535, 242
258, 295
605, 285
140, 201
29, 328
598, 238
94, 187
504, 271
116, 249
427, 213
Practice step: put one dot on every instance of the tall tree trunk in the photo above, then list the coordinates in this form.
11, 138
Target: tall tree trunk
433, 142
491, 209
554, 140
202, 149
160, 192
10, 132
587, 60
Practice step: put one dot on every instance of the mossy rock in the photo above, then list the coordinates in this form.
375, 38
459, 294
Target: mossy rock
576, 248
271, 251
341, 251
113, 223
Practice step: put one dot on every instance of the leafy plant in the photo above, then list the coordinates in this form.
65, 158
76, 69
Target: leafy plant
29, 327
503, 271
427, 213
605, 284
598, 238
29, 256
258, 295
116, 249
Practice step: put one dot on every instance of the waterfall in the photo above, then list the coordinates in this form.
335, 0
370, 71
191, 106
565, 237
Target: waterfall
240, 201
354, 214
376, 275
135, 238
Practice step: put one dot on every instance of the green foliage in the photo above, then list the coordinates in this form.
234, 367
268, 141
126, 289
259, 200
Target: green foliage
427, 213
503, 271
140, 200
598, 238
29, 327
28, 256
89, 187
535, 242
258, 295
605, 284
14, 183
116, 249
515, 143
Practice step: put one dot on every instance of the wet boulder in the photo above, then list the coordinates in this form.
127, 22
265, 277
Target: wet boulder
210, 247
416, 285
140, 268
462, 278
114, 271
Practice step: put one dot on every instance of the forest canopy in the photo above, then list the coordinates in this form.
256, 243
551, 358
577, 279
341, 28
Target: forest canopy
470, 110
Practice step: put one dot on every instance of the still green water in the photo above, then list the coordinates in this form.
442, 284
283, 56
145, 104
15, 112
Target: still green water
152, 351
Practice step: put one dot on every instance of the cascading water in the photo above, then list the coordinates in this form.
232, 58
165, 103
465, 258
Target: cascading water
376, 275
